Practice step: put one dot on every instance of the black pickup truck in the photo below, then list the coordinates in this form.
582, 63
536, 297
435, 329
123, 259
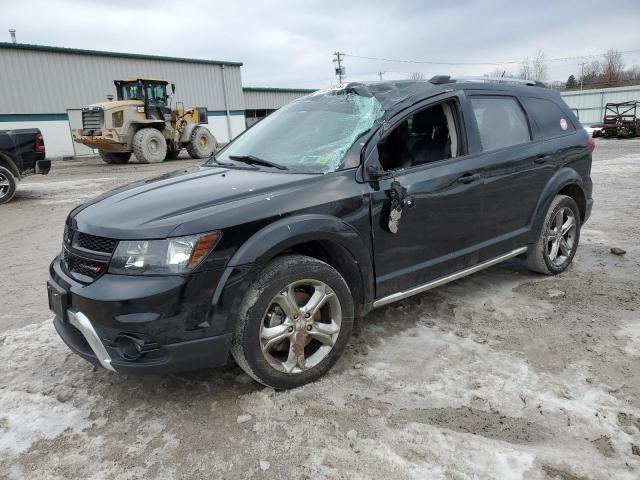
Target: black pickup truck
22, 153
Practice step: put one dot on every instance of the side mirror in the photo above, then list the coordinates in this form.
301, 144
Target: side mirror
173, 88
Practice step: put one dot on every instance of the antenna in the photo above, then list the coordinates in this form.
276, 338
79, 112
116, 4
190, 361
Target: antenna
12, 32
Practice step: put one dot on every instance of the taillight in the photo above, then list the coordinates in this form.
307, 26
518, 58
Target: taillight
591, 144
38, 147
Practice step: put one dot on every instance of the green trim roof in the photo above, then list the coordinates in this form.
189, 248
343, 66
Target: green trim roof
101, 53
283, 90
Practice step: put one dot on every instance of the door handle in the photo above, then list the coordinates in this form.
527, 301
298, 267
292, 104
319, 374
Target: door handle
468, 178
542, 158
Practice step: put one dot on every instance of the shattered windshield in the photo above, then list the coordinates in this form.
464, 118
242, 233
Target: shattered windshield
312, 134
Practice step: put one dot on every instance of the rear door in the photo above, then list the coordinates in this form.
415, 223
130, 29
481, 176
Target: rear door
516, 167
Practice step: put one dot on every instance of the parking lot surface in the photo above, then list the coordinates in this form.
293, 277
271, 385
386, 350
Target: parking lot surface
503, 374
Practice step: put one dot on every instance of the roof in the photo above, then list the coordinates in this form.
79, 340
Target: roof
282, 90
394, 93
142, 79
102, 53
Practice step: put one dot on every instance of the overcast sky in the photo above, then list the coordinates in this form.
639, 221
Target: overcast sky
290, 43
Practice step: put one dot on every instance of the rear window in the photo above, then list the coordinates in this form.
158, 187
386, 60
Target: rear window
501, 122
549, 117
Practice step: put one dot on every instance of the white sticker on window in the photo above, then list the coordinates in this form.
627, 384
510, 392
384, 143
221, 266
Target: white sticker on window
563, 124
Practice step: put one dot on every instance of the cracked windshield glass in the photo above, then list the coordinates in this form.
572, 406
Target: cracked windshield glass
311, 135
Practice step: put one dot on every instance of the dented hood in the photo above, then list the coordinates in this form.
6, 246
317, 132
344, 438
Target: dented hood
188, 201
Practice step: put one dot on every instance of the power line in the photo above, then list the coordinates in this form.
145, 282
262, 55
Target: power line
511, 62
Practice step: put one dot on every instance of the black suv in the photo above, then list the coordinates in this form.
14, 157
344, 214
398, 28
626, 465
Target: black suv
340, 202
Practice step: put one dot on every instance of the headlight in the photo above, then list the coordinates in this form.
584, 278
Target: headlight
162, 257
118, 119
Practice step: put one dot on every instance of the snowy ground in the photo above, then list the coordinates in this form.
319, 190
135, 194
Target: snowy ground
504, 374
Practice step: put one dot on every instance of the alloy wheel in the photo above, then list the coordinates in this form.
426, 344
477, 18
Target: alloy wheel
560, 236
5, 185
301, 326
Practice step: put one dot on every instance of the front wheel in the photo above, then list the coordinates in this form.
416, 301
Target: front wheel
294, 322
201, 144
149, 145
558, 239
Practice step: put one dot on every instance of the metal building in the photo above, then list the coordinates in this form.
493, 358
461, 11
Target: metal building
260, 102
589, 104
45, 87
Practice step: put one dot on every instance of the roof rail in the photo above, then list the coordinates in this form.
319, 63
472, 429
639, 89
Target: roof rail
441, 79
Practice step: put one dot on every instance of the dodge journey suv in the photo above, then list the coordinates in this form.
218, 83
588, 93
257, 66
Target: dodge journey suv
341, 202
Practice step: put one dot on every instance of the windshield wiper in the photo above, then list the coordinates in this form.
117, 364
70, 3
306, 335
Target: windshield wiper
253, 160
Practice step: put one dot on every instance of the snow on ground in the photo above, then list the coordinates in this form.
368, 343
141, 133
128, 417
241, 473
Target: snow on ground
501, 375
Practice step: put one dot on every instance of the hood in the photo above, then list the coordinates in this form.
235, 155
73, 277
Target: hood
118, 103
188, 201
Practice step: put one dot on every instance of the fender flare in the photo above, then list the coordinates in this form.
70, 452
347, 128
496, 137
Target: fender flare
7, 161
267, 242
562, 178
185, 136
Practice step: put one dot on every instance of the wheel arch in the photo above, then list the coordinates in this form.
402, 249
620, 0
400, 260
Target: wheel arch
323, 237
567, 182
7, 161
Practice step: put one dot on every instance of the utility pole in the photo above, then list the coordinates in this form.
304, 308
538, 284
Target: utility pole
380, 75
581, 74
339, 69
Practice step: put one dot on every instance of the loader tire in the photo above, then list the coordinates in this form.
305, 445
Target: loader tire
202, 143
149, 146
115, 158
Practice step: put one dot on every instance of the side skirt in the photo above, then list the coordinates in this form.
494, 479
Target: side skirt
394, 297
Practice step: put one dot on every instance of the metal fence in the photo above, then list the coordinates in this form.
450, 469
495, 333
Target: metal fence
589, 104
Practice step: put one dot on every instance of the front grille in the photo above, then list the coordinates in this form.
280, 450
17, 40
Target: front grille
92, 120
86, 257
82, 269
95, 243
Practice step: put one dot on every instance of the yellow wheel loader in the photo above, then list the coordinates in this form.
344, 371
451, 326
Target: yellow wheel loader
142, 121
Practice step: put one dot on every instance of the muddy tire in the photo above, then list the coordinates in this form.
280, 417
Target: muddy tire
115, 158
149, 146
558, 240
202, 143
7, 185
294, 322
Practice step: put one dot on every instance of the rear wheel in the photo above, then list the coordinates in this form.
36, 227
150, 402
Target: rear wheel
149, 146
7, 185
202, 143
294, 322
558, 239
115, 157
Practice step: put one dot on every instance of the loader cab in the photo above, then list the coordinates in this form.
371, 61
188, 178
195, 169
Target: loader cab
152, 92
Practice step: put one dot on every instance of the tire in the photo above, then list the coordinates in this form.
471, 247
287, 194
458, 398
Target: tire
7, 185
201, 144
115, 158
554, 250
265, 308
149, 146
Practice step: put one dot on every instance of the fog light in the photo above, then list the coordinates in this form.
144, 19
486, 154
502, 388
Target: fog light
129, 346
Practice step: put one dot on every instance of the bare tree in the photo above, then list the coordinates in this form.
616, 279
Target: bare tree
539, 67
533, 69
524, 70
591, 73
416, 76
499, 72
612, 68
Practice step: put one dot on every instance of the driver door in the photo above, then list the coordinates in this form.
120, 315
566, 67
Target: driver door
438, 230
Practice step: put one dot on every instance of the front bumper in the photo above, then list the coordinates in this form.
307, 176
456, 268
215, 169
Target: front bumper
81, 337
169, 320
106, 142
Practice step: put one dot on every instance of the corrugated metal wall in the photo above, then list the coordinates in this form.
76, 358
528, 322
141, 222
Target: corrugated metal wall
40, 81
270, 98
590, 103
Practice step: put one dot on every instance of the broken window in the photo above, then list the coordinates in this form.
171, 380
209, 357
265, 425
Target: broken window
311, 134
429, 135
